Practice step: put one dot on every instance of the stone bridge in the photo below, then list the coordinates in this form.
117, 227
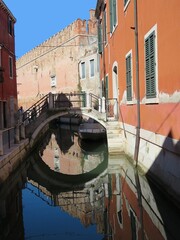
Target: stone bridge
52, 106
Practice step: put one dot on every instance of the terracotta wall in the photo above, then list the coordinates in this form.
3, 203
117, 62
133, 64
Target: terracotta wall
161, 116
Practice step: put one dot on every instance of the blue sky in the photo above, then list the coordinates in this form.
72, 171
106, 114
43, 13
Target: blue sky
37, 20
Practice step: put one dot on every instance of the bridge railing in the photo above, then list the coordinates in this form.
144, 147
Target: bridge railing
108, 109
68, 100
36, 109
95, 102
72, 100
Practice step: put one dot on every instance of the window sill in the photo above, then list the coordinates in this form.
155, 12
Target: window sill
151, 100
114, 29
132, 102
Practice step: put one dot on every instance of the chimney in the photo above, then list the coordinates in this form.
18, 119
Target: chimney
92, 15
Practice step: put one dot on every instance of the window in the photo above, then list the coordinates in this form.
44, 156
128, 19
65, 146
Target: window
10, 67
105, 27
92, 68
133, 225
53, 81
100, 47
83, 70
129, 76
150, 65
107, 85
113, 14
126, 2
10, 26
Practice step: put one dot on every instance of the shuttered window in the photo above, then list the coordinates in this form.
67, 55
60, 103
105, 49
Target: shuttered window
107, 86
113, 14
100, 38
10, 67
105, 28
125, 2
150, 66
129, 78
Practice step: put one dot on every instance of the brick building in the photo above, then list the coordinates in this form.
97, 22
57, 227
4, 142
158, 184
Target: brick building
54, 66
8, 89
8, 84
139, 65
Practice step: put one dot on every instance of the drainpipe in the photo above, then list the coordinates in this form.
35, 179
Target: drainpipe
136, 152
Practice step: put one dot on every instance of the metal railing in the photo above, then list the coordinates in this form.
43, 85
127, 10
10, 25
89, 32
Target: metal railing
68, 100
7, 137
95, 102
60, 101
36, 109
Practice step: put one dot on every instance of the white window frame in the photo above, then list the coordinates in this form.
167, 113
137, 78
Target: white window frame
126, 5
90, 68
132, 101
53, 81
115, 26
156, 99
83, 76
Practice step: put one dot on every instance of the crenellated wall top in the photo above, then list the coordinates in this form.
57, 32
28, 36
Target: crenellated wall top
65, 36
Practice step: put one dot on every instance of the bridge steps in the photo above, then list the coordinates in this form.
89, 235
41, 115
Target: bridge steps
114, 138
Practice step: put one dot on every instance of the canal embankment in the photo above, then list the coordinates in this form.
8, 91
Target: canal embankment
12, 158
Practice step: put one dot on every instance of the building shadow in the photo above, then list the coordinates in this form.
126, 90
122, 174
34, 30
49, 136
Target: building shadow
164, 180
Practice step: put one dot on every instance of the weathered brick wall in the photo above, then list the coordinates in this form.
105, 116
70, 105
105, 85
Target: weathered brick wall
58, 56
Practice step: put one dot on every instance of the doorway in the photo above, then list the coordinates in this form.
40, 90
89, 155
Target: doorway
115, 90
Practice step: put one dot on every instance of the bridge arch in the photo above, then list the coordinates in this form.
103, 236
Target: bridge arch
57, 114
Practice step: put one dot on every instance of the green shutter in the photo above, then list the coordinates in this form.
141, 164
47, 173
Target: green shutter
105, 30
111, 15
114, 13
150, 66
107, 87
125, 1
99, 38
128, 78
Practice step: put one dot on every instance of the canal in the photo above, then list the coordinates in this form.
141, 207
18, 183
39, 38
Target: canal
70, 189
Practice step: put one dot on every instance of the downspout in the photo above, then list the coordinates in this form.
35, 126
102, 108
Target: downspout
136, 152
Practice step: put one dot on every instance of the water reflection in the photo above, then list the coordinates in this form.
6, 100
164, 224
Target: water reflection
74, 190
64, 152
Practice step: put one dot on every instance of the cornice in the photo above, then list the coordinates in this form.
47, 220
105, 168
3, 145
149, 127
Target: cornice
6, 9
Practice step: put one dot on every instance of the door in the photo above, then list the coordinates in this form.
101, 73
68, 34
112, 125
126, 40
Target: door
115, 91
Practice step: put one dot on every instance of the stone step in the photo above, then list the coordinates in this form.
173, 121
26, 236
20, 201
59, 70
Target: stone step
109, 133
115, 137
113, 127
115, 143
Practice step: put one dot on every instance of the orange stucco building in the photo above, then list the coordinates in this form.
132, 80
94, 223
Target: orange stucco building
139, 65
